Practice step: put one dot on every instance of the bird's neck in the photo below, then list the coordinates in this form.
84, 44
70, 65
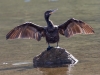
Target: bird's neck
49, 22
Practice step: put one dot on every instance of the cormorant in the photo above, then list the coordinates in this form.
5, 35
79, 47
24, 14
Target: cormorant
50, 32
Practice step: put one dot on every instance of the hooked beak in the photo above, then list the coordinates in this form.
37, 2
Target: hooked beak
53, 11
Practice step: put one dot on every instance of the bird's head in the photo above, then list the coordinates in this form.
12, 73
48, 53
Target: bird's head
49, 12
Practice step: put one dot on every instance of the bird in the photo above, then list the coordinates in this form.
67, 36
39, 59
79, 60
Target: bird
50, 32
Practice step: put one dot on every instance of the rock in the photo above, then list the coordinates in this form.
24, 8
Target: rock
54, 57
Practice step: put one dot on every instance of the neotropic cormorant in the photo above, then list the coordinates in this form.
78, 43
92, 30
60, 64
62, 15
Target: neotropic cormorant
50, 32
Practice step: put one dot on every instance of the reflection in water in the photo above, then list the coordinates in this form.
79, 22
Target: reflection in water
55, 71
27, 66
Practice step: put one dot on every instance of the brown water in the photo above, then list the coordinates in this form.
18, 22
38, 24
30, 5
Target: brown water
86, 50
26, 67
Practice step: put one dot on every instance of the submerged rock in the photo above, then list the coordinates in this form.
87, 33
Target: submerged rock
54, 57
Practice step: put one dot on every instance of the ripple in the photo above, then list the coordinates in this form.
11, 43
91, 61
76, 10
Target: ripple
21, 63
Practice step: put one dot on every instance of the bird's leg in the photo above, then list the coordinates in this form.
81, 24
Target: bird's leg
49, 47
57, 45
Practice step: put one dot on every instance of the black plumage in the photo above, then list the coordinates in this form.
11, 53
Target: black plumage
50, 32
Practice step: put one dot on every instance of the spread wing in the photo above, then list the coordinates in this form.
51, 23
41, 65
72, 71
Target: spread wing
26, 31
73, 26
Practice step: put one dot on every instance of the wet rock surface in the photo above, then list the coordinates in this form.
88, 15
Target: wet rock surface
54, 57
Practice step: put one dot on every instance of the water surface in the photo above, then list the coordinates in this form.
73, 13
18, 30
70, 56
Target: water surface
16, 56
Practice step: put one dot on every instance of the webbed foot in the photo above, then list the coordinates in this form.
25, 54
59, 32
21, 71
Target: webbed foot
49, 47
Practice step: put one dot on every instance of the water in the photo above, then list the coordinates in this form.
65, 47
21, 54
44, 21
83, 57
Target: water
27, 66
16, 56
83, 67
53, 0
21, 63
27, 0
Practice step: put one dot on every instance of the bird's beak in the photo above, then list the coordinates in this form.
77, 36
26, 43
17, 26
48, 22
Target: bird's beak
53, 11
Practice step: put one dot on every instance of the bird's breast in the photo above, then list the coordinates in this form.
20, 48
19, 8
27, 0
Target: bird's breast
52, 36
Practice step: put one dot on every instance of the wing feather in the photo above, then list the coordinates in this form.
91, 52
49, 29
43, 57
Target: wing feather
26, 31
73, 26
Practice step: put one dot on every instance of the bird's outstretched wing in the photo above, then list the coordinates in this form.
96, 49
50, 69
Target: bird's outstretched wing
26, 31
73, 26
